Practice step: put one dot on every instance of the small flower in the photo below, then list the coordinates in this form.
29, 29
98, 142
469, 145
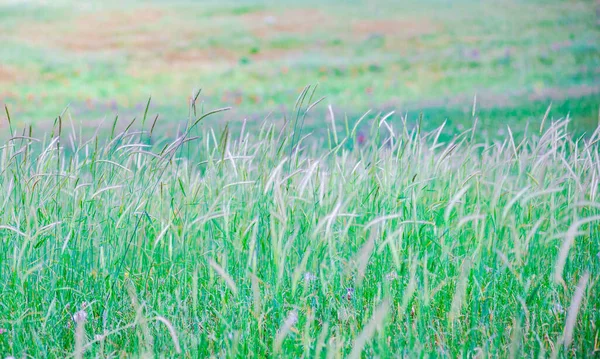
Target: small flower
309, 277
361, 138
349, 292
81, 315
391, 276
3, 330
99, 337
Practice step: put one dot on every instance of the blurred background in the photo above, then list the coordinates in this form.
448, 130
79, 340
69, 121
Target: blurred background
433, 57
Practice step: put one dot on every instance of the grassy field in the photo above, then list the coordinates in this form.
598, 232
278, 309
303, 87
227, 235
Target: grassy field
267, 244
430, 56
441, 200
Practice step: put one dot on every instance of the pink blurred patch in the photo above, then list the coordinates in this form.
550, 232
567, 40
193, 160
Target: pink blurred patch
361, 138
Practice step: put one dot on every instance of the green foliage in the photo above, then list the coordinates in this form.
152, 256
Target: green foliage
269, 244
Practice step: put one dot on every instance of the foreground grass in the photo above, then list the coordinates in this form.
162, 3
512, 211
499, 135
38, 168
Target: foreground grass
242, 245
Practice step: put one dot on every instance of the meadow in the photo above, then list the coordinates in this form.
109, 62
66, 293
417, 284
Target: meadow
431, 57
435, 195
275, 245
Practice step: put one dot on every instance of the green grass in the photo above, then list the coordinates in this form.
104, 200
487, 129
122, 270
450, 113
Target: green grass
466, 224
270, 244
257, 55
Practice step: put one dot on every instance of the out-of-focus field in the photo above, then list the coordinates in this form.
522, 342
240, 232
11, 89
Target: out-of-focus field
100, 58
